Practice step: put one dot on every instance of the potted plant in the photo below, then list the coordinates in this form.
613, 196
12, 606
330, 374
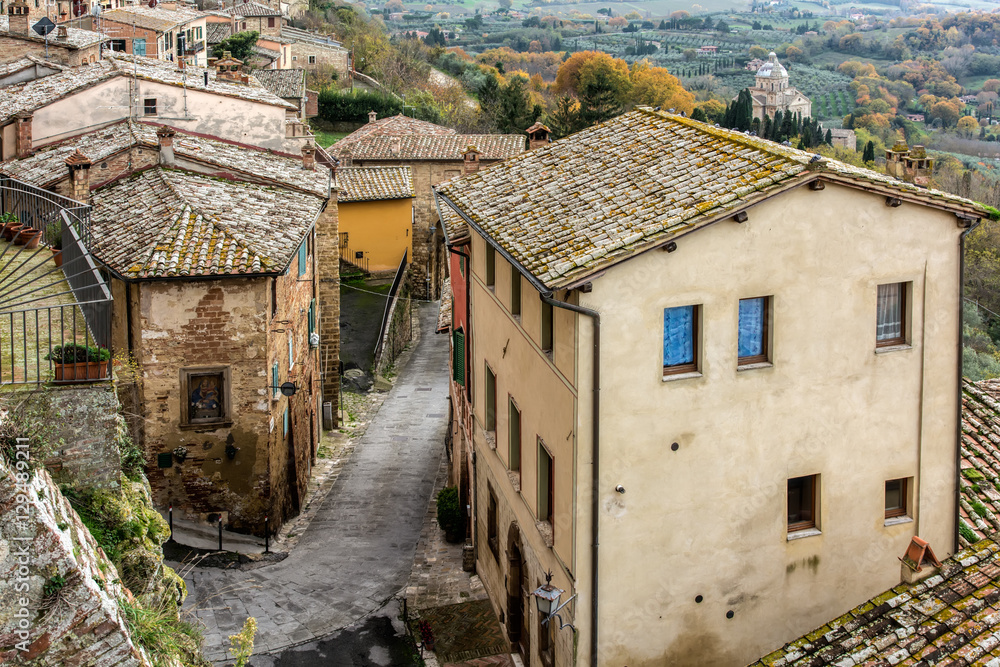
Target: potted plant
75, 362
449, 514
10, 229
7, 219
28, 237
53, 239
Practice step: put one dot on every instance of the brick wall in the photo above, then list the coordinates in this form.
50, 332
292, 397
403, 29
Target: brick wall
328, 256
12, 49
83, 625
118, 30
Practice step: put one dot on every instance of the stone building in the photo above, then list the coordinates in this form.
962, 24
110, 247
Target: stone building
214, 252
813, 408
771, 92
375, 211
255, 16
66, 45
434, 154
165, 34
229, 105
314, 51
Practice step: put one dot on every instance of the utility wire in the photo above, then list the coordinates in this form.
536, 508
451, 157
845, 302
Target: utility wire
386, 296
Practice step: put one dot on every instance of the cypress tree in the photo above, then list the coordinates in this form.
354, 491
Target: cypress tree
869, 153
829, 138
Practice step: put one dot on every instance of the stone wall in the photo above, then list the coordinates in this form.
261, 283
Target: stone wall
323, 55
328, 256
59, 593
12, 48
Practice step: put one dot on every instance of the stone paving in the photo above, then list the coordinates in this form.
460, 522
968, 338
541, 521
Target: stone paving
358, 550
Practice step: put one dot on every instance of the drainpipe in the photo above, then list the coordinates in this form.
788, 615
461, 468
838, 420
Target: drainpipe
595, 479
961, 349
546, 296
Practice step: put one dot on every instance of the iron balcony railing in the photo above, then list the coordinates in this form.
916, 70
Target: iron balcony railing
43, 306
397, 282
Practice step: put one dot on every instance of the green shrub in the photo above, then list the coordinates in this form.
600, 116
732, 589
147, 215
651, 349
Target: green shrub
354, 106
74, 353
449, 511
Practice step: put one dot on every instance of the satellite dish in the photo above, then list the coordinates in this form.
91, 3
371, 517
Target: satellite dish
44, 26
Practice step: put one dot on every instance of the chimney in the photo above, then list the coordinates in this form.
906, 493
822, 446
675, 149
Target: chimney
61, 32
228, 68
912, 166
308, 156
471, 157
538, 135
79, 176
23, 134
17, 17
918, 554
165, 137
372, 116
346, 157
395, 145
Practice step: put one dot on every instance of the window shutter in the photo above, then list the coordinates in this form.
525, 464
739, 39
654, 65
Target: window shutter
274, 378
312, 316
458, 358
303, 254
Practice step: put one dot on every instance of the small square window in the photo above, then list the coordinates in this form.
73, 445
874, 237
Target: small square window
206, 392
270, 22
896, 497
149, 106
680, 331
802, 503
890, 326
312, 60
753, 330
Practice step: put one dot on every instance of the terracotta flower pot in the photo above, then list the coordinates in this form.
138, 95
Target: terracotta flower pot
29, 238
10, 230
57, 256
84, 370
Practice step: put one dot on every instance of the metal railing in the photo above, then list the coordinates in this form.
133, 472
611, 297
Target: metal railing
355, 258
390, 303
43, 306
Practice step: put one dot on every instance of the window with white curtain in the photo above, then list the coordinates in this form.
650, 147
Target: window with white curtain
890, 325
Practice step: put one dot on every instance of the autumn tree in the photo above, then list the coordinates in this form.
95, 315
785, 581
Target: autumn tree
967, 125
656, 87
568, 77
992, 85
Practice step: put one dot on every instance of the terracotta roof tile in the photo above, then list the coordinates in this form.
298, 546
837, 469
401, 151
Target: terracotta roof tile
373, 183
47, 165
285, 83
251, 9
979, 512
155, 18
75, 37
578, 205
953, 615
216, 32
26, 62
36, 94
164, 223
399, 124
432, 147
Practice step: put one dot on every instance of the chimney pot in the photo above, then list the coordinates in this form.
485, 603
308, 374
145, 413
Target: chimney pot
165, 138
372, 116
346, 157
23, 134
918, 554
17, 17
396, 145
538, 135
471, 160
308, 156
79, 175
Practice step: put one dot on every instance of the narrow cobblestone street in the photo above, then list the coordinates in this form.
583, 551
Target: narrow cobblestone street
359, 548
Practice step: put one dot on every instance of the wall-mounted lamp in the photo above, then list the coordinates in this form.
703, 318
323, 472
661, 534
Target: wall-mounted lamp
286, 389
547, 599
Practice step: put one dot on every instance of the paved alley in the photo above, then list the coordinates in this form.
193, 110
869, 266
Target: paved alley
358, 550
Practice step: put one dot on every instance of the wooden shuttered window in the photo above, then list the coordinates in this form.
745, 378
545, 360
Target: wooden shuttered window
458, 357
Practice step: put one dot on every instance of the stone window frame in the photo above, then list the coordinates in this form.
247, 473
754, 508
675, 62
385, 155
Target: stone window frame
312, 60
186, 374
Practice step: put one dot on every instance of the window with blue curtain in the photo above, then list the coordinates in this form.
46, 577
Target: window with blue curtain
286, 423
679, 339
274, 378
753, 330
303, 255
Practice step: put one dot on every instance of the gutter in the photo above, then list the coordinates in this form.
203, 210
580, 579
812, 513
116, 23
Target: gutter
546, 296
961, 349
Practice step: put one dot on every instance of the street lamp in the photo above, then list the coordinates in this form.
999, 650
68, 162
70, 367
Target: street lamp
547, 599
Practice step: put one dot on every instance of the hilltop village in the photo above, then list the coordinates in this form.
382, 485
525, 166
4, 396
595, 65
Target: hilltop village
324, 341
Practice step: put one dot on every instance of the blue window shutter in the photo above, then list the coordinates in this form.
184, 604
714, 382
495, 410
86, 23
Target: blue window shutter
274, 378
312, 316
678, 335
752, 313
302, 259
285, 432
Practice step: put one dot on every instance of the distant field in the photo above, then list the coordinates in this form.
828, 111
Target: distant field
835, 58
976, 82
651, 8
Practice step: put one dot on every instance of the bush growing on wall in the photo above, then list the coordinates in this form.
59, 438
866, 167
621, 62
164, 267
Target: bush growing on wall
354, 106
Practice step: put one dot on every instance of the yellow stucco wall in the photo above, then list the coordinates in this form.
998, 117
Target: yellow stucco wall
381, 229
709, 519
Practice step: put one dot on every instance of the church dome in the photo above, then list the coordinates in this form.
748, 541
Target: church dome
772, 69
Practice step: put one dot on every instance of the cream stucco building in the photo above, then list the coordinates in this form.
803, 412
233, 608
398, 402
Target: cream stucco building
714, 391
772, 93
